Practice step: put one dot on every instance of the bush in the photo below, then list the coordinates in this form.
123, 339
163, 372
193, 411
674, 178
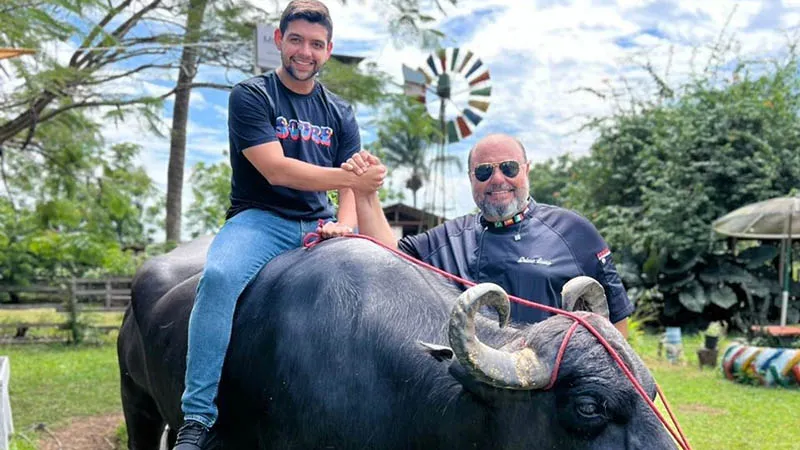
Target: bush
662, 171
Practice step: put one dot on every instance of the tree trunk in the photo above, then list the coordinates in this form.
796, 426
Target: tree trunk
180, 117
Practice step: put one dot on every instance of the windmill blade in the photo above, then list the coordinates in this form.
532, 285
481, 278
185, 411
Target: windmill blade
463, 127
443, 59
483, 92
432, 64
464, 63
480, 78
441, 68
477, 104
453, 60
472, 117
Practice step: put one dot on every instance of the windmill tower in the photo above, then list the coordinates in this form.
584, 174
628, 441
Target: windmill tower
455, 86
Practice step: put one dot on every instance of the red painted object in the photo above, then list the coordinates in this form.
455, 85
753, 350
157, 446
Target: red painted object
777, 330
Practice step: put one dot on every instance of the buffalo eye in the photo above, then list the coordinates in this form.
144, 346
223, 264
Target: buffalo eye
584, 414
588, 408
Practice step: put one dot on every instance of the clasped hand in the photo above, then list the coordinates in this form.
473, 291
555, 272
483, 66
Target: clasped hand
369, 169
371, 174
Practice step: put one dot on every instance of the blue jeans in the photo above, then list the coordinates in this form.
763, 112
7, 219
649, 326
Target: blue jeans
242, 247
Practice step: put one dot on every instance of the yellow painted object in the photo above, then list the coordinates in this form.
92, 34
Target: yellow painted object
14, 52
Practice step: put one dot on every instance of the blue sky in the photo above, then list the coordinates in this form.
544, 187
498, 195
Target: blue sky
539, 54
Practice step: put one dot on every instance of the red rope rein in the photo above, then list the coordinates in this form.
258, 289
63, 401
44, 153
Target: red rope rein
312, 239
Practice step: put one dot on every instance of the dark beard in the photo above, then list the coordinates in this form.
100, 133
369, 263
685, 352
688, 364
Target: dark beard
290, 71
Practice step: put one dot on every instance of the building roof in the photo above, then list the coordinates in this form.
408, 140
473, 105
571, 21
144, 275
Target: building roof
400, 214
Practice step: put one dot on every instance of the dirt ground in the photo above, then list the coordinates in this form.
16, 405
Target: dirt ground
83, 433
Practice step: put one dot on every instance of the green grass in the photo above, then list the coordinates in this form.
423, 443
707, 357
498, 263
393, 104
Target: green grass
50, 315
51, 383
716, 413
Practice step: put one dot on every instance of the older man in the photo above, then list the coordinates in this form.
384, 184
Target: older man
528, 248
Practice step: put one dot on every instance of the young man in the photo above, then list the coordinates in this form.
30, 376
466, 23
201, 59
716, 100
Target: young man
529, 249
288, 136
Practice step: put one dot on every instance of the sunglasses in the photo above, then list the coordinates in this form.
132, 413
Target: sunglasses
483, 172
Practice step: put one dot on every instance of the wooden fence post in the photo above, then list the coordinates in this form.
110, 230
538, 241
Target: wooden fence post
6, 423
73, 296
72, 312
108, 292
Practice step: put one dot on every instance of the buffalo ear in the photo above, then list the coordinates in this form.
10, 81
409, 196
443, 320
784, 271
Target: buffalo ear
440, 352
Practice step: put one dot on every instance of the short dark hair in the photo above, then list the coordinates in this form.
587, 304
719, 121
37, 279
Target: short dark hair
313, 11
521, 147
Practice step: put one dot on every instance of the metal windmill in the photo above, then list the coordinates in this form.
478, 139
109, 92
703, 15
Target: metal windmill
456, 86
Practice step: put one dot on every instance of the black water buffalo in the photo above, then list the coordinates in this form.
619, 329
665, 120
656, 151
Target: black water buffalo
347, 346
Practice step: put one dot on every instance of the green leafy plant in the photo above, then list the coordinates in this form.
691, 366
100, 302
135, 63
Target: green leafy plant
714, 329
664, 167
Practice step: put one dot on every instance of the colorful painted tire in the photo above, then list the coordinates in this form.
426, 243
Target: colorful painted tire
762, 365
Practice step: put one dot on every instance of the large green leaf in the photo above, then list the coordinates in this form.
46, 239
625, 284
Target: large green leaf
676, 283
757, 256
722, 296
679, 266
693, 298
629, 273
725, 272
761, 287
654, 262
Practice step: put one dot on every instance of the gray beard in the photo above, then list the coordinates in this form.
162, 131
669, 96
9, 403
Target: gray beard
503, 212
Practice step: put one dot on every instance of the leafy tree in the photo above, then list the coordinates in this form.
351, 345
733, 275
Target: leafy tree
52, 88
211, 188
121, 41
79, 210
549, 180
661, 172
405, 135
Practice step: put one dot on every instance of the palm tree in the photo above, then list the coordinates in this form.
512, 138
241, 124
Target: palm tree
405, 135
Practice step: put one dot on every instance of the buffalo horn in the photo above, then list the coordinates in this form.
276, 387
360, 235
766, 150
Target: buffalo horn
521, 370
584, 294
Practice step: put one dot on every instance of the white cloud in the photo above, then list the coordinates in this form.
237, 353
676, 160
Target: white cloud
540, 55
222, 112
791, 20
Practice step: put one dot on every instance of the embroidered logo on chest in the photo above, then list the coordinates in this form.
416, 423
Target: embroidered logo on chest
537, 260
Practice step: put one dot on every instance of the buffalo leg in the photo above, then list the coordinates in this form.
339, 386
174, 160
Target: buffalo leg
142, 418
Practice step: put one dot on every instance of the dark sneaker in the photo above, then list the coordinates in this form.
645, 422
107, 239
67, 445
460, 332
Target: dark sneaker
192, 436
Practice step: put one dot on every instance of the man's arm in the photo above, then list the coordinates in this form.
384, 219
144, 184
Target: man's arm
292, 173
622, 326
346, 216
371, 220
